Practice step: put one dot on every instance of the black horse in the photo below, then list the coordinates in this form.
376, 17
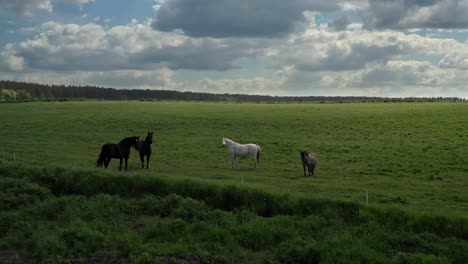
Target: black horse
144, 148
309, 160
117, 151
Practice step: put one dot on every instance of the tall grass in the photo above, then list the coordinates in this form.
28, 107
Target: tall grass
62, 215
63, 182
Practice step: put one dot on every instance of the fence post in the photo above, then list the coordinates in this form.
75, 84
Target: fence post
367, 197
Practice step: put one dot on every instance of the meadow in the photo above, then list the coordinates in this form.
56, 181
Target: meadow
404, 152
412, 158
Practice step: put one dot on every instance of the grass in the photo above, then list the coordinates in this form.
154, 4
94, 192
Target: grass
59, 215
55, 206
413, 154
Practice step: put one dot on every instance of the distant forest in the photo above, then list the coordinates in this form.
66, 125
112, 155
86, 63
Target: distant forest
21, 91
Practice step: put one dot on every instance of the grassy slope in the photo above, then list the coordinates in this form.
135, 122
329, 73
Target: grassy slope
84, 216
413, 153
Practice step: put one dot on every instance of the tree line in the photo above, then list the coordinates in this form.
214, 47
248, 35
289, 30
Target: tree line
22, 91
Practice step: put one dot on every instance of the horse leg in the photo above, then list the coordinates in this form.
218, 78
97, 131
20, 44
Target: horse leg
142, 159
304, 170
147, 160
313, 168
120, 166
233, 161
106, 162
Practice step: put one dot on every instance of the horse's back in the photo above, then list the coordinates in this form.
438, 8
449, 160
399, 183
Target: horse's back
312, 158
249, 148
108, 146
252, 146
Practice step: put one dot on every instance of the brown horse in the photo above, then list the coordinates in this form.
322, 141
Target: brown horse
144, 148
309, 160
116, 151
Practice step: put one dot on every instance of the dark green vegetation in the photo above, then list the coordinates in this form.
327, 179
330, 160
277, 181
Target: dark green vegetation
412, 158
59, 215
20, 91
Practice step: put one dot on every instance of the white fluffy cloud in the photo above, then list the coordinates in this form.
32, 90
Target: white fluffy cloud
457, 59
10, 62
135, 46
29, 7
320, 49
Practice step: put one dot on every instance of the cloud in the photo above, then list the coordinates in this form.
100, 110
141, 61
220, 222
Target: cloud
404, 74
256, 85
319, 49
124, 79
406, 78
410, 14
10, 62
323, 58
70, 47
141, 79
29, 7
340, 23
236, 18
457, 59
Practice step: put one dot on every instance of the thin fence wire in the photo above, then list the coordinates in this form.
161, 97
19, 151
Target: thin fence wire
362, 197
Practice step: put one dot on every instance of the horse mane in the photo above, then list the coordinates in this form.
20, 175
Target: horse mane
303, 154
128, 140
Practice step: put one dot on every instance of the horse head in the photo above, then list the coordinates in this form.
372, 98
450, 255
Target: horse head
149, 137
132, 141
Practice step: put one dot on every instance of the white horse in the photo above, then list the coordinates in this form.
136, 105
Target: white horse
237, 149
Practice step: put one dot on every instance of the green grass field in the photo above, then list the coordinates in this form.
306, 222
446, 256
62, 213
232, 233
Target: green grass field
191, 207
409, 153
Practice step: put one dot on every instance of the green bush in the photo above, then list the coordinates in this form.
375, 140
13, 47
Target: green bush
16, 193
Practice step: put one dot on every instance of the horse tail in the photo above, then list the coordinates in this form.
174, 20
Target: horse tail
258, 154
102, 157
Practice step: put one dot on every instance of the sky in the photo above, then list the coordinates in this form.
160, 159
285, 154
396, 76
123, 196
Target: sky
388, 48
